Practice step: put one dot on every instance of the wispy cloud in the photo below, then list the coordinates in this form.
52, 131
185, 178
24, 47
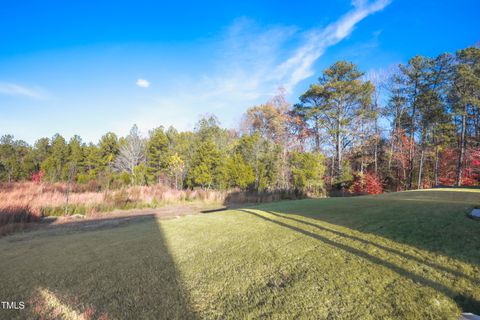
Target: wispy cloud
13, 89
254, 63
299, 66
258, 62
142, 83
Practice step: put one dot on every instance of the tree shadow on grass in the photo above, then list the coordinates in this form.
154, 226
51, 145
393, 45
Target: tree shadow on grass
465, 302
118, 269
382, 247
436, 221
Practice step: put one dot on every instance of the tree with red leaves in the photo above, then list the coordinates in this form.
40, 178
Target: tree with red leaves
37, 177
366, 183
448, 168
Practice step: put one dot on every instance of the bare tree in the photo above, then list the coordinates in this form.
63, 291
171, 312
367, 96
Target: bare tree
131, 153
379, 79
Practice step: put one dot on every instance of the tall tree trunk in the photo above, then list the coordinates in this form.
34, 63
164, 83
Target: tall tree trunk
436, 166
411, 150
375, 156
338, 150
392, 148
317, 135
477, 127
285, 182
462, 149
411, 153
362, 149
420, 170
362, 160
332, 169
257, 174
376, 140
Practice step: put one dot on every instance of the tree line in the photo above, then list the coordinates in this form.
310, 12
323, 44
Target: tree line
415, 126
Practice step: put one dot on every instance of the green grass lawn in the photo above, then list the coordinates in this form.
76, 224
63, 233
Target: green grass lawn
410, 255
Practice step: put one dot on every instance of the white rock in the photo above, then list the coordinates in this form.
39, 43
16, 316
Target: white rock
475, 214
469, 316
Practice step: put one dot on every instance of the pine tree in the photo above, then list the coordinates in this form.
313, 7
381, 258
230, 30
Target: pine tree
158, 155
335, 106
205, 165
465, 98
55, 165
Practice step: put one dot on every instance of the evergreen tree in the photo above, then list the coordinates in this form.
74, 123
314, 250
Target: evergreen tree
54, 165
335, 106
41, 151
240, 172
205, 165
108, 149
16, 159
76, 157
307, 172
465, 98
158, 155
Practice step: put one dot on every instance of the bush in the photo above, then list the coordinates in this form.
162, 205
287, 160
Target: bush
37, 176
60, 211
307, 173
366, 183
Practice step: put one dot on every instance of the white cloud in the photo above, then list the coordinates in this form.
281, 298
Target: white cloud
13, 89
257, 62
142, 83
299, 66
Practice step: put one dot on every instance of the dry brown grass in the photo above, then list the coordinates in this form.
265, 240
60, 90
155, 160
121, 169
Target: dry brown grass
26, 202
21, 202
33, 197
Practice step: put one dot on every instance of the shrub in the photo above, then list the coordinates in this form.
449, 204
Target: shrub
366, 183
37, 176
71, 209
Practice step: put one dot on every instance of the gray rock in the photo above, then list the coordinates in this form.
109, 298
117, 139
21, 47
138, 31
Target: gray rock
475, 214
469, 316
77, 216
49, 219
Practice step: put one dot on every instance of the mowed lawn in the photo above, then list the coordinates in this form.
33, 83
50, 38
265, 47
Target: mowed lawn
410, 255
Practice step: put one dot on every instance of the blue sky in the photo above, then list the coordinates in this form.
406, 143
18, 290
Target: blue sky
88, 67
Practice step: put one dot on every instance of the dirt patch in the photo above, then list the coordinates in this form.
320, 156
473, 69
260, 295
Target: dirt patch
68, 224
121, 217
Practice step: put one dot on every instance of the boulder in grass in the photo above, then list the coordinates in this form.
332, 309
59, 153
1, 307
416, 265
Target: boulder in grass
469, 316
48, 219
475, 214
